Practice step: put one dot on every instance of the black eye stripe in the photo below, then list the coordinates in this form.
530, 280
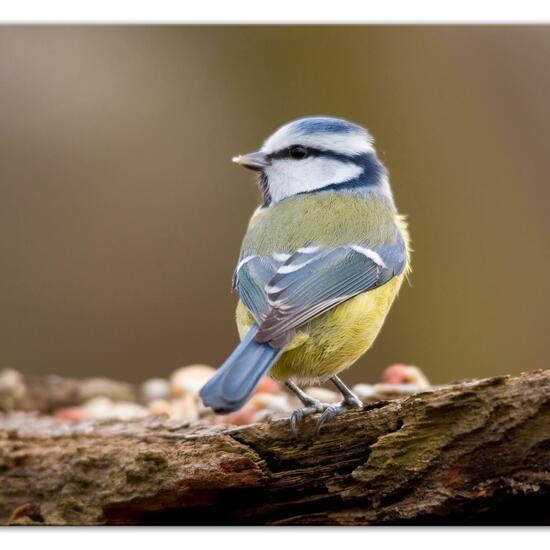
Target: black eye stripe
298, 152
316, 153
286, 152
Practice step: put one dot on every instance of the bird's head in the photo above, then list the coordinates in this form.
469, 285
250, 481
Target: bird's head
317, 154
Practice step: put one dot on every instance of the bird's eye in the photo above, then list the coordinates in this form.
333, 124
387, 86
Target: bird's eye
298, 152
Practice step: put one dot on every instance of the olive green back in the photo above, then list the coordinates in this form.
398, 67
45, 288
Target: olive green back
331, 219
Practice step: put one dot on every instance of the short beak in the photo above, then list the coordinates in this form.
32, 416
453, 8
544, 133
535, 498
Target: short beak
254, 161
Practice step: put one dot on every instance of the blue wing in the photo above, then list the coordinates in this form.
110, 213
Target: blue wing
250, 279
283, 295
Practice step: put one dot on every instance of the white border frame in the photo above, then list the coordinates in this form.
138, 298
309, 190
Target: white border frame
278, 11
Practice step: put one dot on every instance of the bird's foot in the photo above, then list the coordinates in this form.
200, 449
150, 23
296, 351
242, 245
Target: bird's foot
327, 411
312, 407
349, 403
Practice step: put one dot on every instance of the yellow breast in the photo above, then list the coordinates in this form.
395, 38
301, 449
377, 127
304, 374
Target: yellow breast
333, 341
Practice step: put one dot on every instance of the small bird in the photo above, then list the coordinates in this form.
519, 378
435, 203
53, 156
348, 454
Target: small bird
323, 259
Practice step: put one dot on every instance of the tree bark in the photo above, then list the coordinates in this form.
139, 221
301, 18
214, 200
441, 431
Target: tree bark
473, 452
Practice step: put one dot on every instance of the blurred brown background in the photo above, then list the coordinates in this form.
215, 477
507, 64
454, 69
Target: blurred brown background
121, 215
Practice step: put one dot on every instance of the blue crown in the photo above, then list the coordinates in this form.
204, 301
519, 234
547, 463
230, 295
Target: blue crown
314, 125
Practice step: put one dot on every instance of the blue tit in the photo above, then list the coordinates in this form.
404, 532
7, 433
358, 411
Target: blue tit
323, 259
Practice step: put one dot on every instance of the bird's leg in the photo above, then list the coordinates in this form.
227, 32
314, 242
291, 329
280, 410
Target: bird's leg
351, 401
349, 397
307, 400
312, 406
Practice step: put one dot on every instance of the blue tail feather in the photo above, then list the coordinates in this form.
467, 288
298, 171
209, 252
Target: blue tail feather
235, 381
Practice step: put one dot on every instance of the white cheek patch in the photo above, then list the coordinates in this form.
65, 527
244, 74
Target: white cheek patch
288, 177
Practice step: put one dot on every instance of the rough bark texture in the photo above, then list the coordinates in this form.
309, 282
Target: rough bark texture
474, 452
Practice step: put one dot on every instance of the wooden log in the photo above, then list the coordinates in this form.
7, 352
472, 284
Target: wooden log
472, 452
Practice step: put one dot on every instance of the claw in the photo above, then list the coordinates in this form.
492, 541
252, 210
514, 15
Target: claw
329, 413
312, 406
299, 414
337, 410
